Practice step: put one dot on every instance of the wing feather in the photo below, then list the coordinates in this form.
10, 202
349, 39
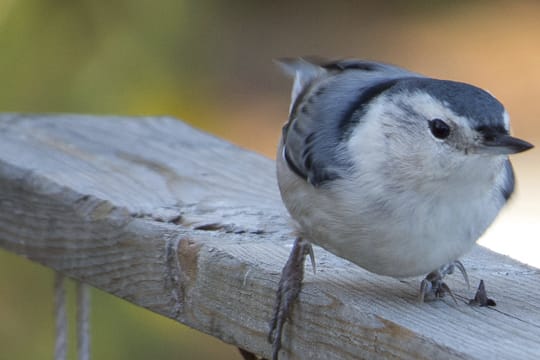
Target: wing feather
325, 100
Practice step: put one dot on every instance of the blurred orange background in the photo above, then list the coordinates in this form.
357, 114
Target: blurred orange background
210, 63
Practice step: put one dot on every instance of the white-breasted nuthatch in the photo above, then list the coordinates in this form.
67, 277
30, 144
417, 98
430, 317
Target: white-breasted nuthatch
394, 171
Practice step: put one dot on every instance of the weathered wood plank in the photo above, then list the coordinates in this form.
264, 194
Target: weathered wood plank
191, 227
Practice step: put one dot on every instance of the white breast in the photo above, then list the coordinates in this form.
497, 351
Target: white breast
398, 234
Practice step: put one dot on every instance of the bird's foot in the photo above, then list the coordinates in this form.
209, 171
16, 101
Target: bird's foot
288, 290
433, 287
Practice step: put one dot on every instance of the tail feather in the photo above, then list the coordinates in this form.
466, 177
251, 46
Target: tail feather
303, 70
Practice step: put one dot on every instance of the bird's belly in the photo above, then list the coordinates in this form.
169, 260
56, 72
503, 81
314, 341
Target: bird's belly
399, 238
400, 243
394, 251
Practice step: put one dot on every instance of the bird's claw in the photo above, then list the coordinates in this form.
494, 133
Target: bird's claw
459, 265
433, 287
288, 290
432, 290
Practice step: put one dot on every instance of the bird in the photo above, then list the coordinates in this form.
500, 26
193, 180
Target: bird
394, 171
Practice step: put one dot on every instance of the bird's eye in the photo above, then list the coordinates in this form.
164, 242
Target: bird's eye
439, 128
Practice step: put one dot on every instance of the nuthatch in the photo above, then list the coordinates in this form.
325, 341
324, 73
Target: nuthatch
394, 171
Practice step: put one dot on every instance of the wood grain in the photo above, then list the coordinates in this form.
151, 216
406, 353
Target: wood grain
192, 227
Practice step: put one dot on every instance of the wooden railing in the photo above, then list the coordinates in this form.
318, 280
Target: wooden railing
191, 227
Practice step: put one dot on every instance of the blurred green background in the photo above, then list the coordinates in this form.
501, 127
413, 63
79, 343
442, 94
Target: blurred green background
209, 63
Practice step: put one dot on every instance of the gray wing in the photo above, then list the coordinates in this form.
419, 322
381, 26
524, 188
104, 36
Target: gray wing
328, 100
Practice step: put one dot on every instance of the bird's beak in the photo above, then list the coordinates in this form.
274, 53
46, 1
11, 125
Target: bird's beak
503, 144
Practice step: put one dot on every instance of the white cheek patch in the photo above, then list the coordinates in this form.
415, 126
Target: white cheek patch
367, 137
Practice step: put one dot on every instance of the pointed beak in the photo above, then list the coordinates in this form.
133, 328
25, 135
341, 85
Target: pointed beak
503, 144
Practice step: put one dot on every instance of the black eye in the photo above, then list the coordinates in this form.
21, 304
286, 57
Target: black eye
439, 128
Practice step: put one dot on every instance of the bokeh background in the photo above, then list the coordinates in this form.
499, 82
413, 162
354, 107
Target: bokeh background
209, 63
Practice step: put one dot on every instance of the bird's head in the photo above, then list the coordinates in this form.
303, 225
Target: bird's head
424, 129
